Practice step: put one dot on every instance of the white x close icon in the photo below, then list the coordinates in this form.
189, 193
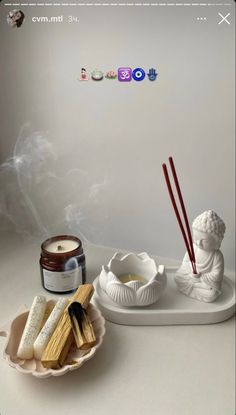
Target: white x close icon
224, 18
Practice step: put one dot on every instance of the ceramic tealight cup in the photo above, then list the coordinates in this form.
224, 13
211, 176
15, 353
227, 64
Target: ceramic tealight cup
133, 279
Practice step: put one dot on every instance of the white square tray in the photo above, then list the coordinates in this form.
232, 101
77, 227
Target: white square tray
172, 308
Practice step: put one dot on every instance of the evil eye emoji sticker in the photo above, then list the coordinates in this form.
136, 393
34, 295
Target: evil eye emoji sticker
138, 74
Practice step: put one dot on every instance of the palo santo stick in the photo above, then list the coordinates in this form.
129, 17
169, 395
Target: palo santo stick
58, 346
88, 333
81, 326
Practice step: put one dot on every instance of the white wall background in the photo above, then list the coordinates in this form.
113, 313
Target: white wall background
108, 140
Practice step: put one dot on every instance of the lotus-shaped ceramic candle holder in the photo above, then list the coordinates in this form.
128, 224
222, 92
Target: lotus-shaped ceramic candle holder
133, 279
76, 358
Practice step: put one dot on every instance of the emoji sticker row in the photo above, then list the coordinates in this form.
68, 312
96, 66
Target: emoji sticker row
124, 74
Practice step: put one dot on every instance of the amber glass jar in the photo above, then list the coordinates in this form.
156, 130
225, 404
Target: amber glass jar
62, 264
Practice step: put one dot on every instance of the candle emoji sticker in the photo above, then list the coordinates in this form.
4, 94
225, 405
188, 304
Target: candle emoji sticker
97, 75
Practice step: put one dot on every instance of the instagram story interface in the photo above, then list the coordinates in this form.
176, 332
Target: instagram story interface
94, 96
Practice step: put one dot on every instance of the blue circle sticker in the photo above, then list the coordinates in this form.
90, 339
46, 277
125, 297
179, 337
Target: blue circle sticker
138, 74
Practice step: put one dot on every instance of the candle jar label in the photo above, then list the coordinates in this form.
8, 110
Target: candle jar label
62, 281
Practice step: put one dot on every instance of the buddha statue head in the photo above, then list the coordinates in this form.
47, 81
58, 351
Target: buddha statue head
208, 231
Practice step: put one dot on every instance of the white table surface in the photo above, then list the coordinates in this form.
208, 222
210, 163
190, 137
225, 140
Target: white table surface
166, 370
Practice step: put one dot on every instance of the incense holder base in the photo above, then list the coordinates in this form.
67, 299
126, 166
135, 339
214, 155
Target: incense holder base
172, 308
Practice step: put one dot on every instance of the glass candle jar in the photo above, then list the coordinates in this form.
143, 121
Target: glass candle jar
62, 264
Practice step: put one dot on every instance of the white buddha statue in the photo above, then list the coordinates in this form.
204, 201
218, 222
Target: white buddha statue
208, 233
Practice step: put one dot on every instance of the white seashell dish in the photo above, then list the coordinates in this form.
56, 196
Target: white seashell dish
147, 286
75, 359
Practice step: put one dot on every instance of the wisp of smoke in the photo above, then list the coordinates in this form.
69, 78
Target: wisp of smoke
40, 202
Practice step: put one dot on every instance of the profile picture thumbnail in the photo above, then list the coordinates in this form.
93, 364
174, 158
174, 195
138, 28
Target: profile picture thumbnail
15, 18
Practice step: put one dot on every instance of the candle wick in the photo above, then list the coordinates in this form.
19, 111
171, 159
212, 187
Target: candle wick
59, 247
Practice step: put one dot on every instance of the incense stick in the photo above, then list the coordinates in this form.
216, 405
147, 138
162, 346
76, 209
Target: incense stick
188, 241
183, 208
